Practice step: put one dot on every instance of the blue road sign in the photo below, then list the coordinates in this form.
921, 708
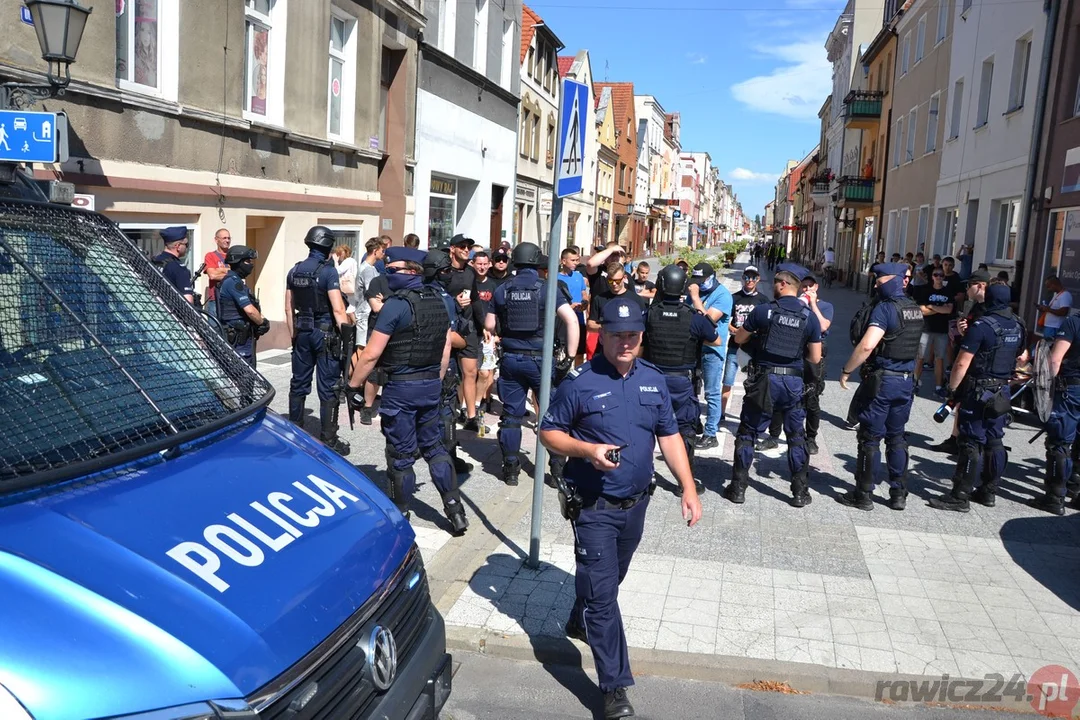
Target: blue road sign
27, 136
676, 214
24, 13
574, 111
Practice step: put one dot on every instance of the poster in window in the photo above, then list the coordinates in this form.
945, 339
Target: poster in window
1069, 267
146, 42
260, 42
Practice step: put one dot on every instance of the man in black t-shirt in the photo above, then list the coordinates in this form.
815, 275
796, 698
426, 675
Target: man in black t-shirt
937, 307
743, 303
616, 280
462, 288
641, 285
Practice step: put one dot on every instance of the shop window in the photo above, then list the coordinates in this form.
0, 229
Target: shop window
442, 211
147, 46
147, 237
341, 93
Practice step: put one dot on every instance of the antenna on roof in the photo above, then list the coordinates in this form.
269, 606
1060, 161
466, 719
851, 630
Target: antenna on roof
605, 70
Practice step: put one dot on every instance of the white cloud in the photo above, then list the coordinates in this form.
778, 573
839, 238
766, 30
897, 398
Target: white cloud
749, 176
796, 89
696, 58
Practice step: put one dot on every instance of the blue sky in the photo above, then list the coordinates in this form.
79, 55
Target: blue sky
748, 76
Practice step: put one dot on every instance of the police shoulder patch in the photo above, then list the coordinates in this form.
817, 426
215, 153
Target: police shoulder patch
578, 370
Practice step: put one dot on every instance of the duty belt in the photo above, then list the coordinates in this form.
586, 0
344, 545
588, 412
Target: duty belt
1067, 381
605, 502
419, 375
989, 383
526, 353
677, 373
897, 373
782, 371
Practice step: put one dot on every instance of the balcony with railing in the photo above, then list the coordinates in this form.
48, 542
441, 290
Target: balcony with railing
862, 109
855, 191
820, 186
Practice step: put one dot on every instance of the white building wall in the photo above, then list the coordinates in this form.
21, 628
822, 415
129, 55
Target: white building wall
985, 165
449, 143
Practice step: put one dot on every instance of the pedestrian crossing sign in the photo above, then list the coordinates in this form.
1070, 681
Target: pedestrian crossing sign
574, 112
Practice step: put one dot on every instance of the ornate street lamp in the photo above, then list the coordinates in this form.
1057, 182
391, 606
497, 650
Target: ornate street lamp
59, 25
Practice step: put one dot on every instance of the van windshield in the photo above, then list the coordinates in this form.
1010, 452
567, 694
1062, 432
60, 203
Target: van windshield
101, 360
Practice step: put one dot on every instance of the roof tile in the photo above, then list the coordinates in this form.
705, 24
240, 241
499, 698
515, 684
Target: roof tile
565, 63
529, 21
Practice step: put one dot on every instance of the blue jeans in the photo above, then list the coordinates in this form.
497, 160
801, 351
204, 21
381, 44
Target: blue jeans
712, 369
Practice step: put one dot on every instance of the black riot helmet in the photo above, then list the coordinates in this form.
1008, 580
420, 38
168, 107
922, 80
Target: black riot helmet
241, 259
527, 254
437, 266
671, 281
320, 237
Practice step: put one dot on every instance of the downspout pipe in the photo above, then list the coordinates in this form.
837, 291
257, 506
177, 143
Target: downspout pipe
1053, 10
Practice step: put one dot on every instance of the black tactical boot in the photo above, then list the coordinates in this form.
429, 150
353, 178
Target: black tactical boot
736, 489
575, 631
1051, 503
861, 498
898, 498
616, 705
1072, 487
366, 415
985, 495
1075, 504
510, 473
800, 491
329, 428
767, 443
811, 446
951, 502
455, 513
858, 499
296, 410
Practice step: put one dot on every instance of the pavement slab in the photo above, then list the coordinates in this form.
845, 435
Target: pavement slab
821, 589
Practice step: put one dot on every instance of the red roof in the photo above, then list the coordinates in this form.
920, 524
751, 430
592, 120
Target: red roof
529, 21
565, 61
622, 99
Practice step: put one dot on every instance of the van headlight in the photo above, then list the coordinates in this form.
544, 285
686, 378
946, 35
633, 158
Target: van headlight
10, 707
210, 710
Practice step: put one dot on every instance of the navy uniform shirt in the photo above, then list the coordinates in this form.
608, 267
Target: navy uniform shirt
757, 321
701, 328
175, 272
397, 315
232, 297
1070, 332
886, 316
326, 281
498, 307
597, 405
980, 336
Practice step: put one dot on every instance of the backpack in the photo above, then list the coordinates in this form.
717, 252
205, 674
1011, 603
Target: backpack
861, 322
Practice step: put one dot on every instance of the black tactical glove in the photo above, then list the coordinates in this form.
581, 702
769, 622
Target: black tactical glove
262, 328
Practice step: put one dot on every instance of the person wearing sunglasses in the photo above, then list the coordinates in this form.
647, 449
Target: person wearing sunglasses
937, 308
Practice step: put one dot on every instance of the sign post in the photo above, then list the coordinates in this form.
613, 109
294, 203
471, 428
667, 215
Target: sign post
569, 173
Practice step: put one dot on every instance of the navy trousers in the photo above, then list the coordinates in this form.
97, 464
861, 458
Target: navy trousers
885, 417
518, 374
409, 414
1060, 438
309, 356
786, 394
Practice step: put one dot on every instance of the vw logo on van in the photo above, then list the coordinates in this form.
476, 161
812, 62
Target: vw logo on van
382, 658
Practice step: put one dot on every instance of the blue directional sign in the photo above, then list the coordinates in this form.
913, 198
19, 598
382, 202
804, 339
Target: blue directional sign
27, 136
574, 111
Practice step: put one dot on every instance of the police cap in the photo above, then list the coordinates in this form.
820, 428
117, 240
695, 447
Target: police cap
176, 233
240, 253
404, 254
621, 315
795, 269
320, 237
892, 268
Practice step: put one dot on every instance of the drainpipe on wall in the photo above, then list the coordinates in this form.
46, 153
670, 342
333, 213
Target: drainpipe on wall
1052, 8
884, 183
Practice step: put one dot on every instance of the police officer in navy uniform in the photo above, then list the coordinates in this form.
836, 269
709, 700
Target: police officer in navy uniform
980, 382
315, 313
674, 334
614, 402
1061, 426
518, 306
168, 261
889, 345
238, 312
785, 333
411, 341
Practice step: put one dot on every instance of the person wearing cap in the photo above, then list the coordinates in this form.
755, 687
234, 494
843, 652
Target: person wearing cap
168, 261
706, 294
888, 344
1062, 440
462, 288
785, 332
743, 303
615, 402
411, 341
985, 362
519, 308
315, 317
238, 312
500, 267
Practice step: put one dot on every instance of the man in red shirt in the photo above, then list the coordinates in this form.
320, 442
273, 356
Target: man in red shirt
216, 269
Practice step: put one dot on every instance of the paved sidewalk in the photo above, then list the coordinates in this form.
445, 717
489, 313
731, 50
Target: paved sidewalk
830, 595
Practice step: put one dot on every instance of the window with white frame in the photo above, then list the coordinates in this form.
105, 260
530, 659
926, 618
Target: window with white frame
957, 106
147, 237
913, 118
147, 46
943, 19
480, 37
1021, 64
890, 233
924, 228
898, 137
966, 6
1005, 229
264, 41
985, 85
948, 219
507, 65
349, 235
341, 93
905, 57
902, 233
920, 39
932, 122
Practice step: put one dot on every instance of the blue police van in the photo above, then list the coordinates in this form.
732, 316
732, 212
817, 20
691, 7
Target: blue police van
170, 549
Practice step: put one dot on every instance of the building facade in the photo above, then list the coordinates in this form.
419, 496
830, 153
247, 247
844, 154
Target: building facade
607, 161
466, 138
264, 117
630, 228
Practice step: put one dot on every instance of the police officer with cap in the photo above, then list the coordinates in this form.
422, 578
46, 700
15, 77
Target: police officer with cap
607, 416
1061, 426
886, 337
674, 335
168, 261
315, 316
238, 312
411, 341
980, 382
518, 305
785, 333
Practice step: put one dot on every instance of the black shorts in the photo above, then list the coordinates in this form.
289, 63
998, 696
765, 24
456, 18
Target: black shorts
471, 351
583, 328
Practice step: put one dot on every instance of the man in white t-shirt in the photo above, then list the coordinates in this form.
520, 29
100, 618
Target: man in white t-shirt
1053, 314
830, 257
